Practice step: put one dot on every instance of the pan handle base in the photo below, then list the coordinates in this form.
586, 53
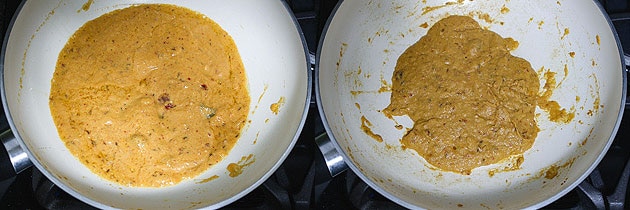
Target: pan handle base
13, 159
334, 161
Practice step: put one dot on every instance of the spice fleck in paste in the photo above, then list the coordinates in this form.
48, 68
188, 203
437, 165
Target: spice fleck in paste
472, 103
149, 95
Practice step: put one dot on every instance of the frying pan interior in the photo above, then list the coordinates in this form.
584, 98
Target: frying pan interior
357, 56
274, 57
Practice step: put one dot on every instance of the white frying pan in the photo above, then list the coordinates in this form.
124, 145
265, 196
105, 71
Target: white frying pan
356, 60
273, 53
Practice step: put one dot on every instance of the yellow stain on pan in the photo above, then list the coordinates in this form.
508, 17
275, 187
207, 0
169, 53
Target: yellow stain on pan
265, 87
428, 9
514, 163
86, 6
365, 127
556, 112
208, 179
275, 107
236, 169
504, 9
256, 139
599, 40
566, 32
28, 46
553, 170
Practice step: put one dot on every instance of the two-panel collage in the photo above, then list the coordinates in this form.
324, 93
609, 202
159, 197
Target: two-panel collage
314, 104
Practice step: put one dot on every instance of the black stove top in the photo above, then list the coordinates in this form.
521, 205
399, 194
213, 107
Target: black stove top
303, 181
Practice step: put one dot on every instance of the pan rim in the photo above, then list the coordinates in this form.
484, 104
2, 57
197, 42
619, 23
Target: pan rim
100, 205
611, 138
406, 204
297, 132
333, 140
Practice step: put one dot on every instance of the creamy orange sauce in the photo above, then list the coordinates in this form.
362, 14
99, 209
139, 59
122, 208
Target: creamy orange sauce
472, 102
149, 95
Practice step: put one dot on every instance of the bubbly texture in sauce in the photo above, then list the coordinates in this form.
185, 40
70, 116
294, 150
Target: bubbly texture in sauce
149, 95
472, 102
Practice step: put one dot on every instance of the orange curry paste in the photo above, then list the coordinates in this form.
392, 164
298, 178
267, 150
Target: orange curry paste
149, 95
472, 102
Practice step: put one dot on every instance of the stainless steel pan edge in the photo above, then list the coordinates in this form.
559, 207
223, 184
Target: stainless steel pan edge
347, 158
99, 205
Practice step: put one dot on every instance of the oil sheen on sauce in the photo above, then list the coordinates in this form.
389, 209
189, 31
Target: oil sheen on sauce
472, 102
149, 95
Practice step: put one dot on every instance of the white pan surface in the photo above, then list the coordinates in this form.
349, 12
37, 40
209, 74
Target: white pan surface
274, 56
357, 57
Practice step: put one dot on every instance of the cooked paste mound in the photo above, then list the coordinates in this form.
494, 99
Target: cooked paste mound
472, 102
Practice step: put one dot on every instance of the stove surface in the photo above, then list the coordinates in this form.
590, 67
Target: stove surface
303, 181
